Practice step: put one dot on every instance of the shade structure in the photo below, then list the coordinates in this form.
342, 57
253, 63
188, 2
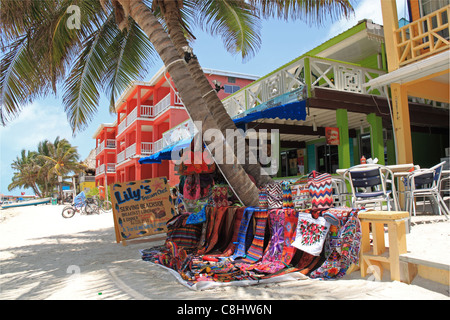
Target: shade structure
167, 153
294, 111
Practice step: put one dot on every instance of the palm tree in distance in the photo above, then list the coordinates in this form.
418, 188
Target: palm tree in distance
26, 172
41, 49
63, 159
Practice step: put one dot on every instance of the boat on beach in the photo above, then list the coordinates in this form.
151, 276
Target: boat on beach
34, 202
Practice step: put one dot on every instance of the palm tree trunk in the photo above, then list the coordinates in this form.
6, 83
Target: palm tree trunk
210, 97
236, 176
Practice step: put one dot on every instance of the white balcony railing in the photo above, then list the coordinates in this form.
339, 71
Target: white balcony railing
121, 157
307, 72
110, 168
146, 148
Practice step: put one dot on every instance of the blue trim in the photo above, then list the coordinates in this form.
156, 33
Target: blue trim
166, 153
294, 111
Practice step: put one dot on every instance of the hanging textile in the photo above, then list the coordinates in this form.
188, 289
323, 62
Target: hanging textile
236, 228
287, 195
182, 234
290, 229
274, 195
342, 249
320, 190
311, 233
255, 251
271, 261
242, 235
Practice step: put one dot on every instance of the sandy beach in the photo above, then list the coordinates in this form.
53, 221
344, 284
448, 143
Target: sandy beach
44, 256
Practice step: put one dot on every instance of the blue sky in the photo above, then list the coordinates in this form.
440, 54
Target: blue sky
281, 42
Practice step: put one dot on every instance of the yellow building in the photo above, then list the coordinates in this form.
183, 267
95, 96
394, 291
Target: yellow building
418, 57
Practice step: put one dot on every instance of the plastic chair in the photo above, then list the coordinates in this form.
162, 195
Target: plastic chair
340, 193
426, 183
373, 177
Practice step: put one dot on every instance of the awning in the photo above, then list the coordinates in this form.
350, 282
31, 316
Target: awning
166, 153
294, 111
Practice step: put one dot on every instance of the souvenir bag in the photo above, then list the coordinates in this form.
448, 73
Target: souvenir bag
350, 235
300, 196
219, 197
287, 195
337, 216
311, 234
263, 202
274, 195
320, 190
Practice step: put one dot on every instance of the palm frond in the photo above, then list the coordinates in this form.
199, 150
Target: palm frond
234, 21
309, 11
132, 54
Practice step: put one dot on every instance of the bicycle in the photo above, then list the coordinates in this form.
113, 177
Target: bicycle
99, 204
79, 205
69, 211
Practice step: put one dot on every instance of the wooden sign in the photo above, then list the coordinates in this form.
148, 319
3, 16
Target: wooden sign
141, 208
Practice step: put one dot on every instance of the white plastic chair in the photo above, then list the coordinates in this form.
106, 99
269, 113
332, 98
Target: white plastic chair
426, 183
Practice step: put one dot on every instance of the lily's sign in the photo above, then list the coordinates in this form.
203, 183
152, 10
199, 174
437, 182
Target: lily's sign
141, 208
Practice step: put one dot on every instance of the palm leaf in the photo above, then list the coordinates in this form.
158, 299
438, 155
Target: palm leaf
310, 11
135, 54
234, 21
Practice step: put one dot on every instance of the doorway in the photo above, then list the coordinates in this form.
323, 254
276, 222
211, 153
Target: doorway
327, 159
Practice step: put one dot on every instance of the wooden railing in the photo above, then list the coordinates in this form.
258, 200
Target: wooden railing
424, 37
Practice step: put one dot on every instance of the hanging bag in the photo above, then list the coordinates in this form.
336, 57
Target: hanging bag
320, 190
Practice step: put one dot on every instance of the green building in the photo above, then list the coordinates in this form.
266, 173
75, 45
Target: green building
330, 81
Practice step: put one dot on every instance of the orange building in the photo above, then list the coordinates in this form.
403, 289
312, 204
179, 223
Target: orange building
146, 111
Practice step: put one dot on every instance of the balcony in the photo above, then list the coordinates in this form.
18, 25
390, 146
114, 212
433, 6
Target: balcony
180, 132
424, 37
147, 148
308, 72
110, 168
149, 112
110, 144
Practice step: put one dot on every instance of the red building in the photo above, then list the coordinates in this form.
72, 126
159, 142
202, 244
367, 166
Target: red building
147, 114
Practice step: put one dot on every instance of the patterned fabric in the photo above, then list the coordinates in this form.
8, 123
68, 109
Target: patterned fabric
337, 216
181, 234
274, 195
197, 217
290, 229
242, 235
218, 222
263, 201
226, 232
255, 251
287, 195
219, 196
300, 196
271, 260
236, 227
320, 190
343, 249
311, 234
192, 187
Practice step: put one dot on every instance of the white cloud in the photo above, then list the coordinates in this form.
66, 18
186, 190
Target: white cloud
365, 9
37, 121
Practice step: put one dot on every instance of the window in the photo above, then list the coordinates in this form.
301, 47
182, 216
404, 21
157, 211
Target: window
231, 80
231, 89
